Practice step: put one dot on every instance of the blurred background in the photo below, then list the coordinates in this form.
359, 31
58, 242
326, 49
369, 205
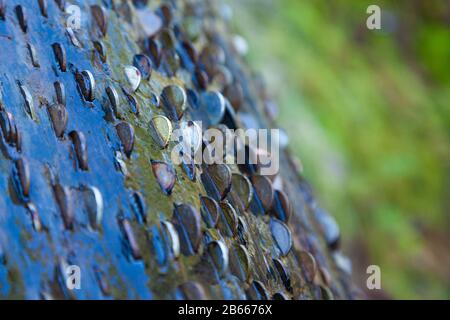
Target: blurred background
368, 115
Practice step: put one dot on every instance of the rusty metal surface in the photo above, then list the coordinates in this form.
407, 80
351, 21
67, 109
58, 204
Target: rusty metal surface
86, 179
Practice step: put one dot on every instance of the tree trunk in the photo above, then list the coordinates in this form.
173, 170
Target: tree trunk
88, 182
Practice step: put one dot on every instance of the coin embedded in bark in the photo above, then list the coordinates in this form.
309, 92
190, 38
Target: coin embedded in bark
131, 238
308, 265
125, 131
257, 291
169, 62
143, 64
325, 276
161, 130
283, 271
59, 117
281, 207
193, 99
326, 293
61, 4
191, 290
240, 262
29, 104
79, 145
132, 101
154, 100
21, 178
234, 94
8, 126
212, 104
86, 84
113, 98
280, 296
240, 44
99, 15
216, 179
210, 211
165, 175
100, 48
120, 164
63, 196
33, 55
60, 92
21, 17
166, 12
343, 262
329, 228
222, 78
187, 222
241, 192
153, 48
242, 230
34, 214
281, 235
263, 192
133, 76
189, 168
211, 57
218, 251
173, 99
138, 205
60, 56
102, 281
167, 38
160, 248
150, 22
200, 78
190, 51
171, 236
228, 221
93, 201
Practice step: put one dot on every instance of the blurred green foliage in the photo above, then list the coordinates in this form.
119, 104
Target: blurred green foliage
368, 114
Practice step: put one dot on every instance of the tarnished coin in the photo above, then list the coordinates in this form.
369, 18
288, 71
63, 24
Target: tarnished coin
173, 99
216, 179
125, 131
59, 117
240, 262
21, 178
241, 192
281, 207
210, 211
218, 251
165, 175
281, 235
93, 202
80, 148
143, 64
187, 222
99, 15
133, 77
161, 130
60, 55
191, 291
86, 84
